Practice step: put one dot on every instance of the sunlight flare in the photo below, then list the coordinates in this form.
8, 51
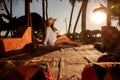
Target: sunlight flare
98, 17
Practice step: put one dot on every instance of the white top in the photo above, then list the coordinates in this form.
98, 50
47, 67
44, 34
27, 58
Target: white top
50, 37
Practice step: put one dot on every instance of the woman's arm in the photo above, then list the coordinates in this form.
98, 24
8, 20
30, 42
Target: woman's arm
47, 36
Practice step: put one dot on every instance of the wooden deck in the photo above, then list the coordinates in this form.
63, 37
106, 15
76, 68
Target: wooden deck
65, 63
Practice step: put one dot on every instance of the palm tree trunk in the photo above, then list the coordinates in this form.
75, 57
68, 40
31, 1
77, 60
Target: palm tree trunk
5, 6
46, 9
43, 12
83, 24
70, 19
27, 13
77, 20
11, 4
84, 10
108, 14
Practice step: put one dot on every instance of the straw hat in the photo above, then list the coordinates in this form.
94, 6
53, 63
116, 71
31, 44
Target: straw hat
50, 21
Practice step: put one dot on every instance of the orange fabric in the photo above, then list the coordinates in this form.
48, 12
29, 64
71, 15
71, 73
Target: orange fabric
89, 73
26, 72
108, 76
29, 71
48, 75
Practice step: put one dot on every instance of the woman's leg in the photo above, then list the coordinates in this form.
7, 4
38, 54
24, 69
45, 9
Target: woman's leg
64, 39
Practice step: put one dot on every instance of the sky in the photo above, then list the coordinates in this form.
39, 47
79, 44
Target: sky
61, 10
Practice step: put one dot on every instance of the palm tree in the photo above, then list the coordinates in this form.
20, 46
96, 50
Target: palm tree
27, 13
11, 5
82, 10
5, 7
112, 10
77, 20
115, 10
83, 24
27, 9
43, 11
72, 10
73, 5
108, 13
8, 14
46, 9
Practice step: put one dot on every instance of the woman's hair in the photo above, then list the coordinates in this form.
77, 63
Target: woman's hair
53, 28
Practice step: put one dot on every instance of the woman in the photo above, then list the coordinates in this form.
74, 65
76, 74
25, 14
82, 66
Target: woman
51, 36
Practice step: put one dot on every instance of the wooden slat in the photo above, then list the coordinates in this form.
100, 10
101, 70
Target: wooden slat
53, 59
71, 64
65, 63
68, 63
89, 53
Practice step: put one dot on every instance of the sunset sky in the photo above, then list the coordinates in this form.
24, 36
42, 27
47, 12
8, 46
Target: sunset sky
61, 10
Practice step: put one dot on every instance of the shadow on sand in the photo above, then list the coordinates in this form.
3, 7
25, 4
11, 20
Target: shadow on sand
30, 51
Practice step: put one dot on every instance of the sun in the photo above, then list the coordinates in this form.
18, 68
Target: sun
98, 17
